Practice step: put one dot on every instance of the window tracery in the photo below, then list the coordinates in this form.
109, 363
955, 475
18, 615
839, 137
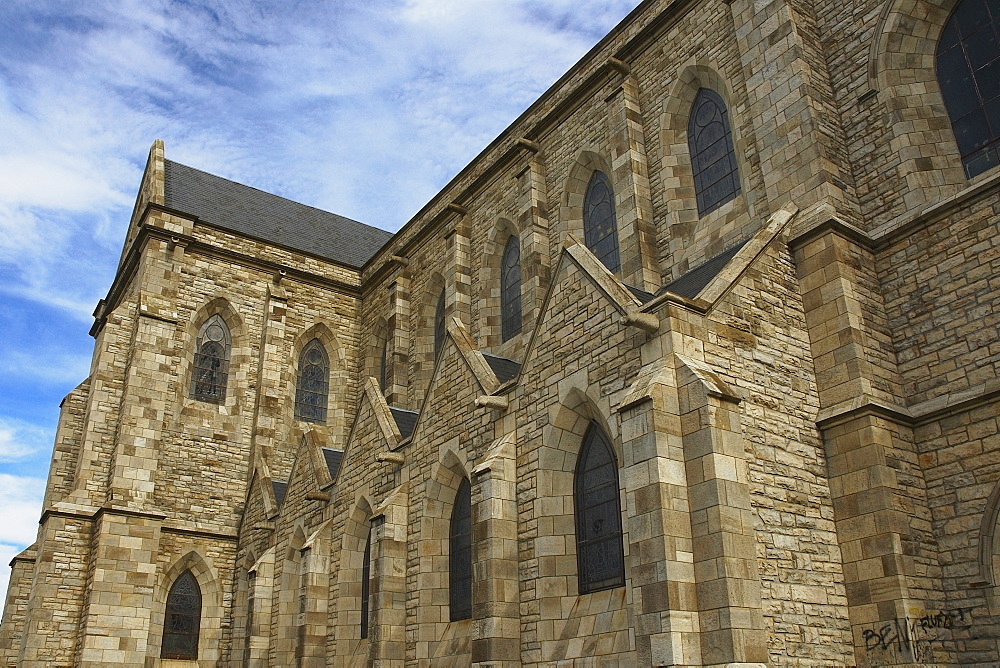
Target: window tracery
510, 289
211, 361
713, 161
460, 554
600, 229
182, 620
313, 383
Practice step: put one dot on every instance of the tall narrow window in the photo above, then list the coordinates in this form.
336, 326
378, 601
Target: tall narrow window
182, 621
600, 229
439, 330
599, 552
383, 369
313, 383
968, 70
713, 161
460, 554
211, 361
251, 596
366, 576
510, 289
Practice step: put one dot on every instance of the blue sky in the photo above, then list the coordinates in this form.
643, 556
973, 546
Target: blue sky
362, 108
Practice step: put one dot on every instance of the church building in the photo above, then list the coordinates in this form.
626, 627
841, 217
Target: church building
694, 365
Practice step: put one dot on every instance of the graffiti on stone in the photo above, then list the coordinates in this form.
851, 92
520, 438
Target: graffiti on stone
911, 639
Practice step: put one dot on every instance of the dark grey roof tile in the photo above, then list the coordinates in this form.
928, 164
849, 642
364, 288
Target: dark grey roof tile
695, 280
255, 213
405, 420
333, 460
280, 488
504, 368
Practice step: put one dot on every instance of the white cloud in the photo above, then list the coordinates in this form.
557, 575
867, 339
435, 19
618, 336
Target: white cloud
19, 440
20, 506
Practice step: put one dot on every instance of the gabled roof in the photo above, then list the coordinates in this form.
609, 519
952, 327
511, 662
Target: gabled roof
279, 487
504, 368
694, 281
333, 459
406, 420
255, 213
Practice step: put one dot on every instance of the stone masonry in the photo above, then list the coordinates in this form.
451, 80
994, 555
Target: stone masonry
799, 387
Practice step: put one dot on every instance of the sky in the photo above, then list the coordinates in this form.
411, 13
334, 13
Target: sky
364, 108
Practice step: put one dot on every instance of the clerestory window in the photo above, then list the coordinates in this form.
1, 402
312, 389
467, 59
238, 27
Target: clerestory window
510, 289
597, 506
182, 621
713, 161
211, 361
439, 329
968, 70
600, 229
312, 385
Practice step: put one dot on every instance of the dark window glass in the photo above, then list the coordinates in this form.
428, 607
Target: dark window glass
211, 362
182, 621
713, 162
968, 70
383, 369
439, 330
600, 229
510, 289
366, 576
313, 383
251, 586
599, 552
460, 554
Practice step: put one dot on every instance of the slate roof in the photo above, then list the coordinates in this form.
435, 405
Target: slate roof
274, 219
405, 420
504, 368
639, 293
695, 280
333, 459
279, 488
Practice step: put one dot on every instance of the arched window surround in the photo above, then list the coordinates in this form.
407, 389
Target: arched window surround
597, 513
312, 383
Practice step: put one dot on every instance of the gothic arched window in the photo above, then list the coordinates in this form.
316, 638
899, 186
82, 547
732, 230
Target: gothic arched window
366, 576
211, 361
510, 289
460, 554
313, 383
439, 329
600, 229
182, 621
599, 553
713, 162
968, 70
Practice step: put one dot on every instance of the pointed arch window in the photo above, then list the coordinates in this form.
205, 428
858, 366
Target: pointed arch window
600, 228
313, 383
211, 361
366, 576
713, 161
439, 329
182, 621
510, 289
968, 70
597, 504
460, 554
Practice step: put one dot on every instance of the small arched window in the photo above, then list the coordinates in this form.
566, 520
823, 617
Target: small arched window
460, 554
182, 621
968, 70
713, 161
313, 383
599, 552
510, 289
366, 576
439, 329
211, 361
600, 229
